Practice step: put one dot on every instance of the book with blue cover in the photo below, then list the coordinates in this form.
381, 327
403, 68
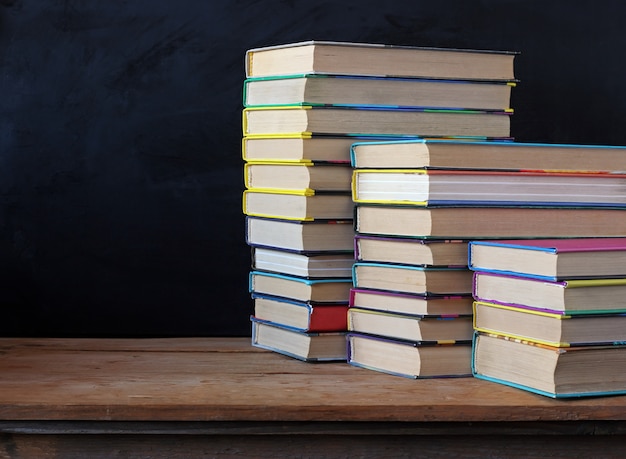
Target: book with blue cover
551, 258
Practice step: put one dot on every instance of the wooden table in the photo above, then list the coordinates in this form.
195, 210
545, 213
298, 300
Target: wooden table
220, 397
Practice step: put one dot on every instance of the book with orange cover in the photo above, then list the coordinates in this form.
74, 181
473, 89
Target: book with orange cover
307, 176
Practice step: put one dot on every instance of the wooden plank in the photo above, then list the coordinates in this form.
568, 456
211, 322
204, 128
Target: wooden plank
259, 446
207, 379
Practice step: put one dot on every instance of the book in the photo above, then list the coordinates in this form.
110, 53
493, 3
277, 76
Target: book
410, 327
555, 372
551, 328
356, 90
327, 290
411, 251
551, 259
303, 264
306, 346
301, 148
300, 205
489, 222
482, 188
300, 236
491, 155
307, 119
317, 56
574, 296
406, 303
298, 176
412, 279
301, 315
409, 359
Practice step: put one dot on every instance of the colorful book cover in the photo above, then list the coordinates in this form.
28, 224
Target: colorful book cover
433, 187
509, 382
300, 345
553, 247
538, 330
532, 283
321, 317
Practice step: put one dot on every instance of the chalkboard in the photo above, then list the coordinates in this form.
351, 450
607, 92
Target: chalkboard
120, 139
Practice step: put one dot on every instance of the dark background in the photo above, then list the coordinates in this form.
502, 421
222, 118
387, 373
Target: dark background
120, 139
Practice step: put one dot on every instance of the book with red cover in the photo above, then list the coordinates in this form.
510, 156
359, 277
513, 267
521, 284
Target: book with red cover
301, 315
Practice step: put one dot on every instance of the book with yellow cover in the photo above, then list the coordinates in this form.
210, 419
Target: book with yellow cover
301, 205
551, 328
298, 176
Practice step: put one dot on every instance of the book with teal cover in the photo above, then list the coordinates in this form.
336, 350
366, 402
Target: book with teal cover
537, 367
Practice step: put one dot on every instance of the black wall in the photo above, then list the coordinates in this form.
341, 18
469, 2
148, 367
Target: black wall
120, 162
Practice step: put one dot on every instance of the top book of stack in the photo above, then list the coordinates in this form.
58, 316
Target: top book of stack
345, 58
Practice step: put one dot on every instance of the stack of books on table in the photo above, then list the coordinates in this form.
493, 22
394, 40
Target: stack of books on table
305, 104
550, 314
437, 193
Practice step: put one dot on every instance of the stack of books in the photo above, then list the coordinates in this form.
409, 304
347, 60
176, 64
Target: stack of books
305, 104
550, 314
418, 199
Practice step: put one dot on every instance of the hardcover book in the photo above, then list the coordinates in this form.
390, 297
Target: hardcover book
300, 236
281, 120
411, 251
303, 205
345, 90
412, 279
413, 360
335, 290
306, 264
410, 327
426, 187
551, 328
374, 59
298, 176
551, 259
570, 297
406, 303
301, 315
555, 372
309, 347
489, 222
492, 155
301, 148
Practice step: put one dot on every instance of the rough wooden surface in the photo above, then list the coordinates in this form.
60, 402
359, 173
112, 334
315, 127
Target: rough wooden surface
227, 380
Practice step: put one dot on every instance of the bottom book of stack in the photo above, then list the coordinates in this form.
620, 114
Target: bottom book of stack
557, 372
411, 359
306, 346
